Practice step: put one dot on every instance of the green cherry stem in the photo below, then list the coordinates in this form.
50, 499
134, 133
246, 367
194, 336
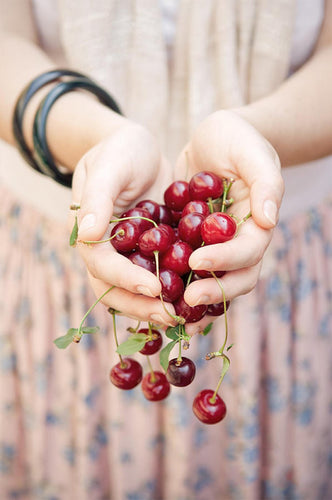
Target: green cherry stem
244, 219
79, 332
225, 366
91, 242
120, 219
122, 364
153, 377
227, 186
179, 358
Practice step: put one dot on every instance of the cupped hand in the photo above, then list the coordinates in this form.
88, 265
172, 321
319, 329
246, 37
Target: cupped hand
228, 145
109, 179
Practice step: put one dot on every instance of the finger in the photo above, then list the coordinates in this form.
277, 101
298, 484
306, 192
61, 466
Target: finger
230, 145
245, 250
95, 188
134, 306
234, 283
104, 263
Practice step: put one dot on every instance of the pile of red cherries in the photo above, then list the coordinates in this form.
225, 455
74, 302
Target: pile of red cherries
161, 238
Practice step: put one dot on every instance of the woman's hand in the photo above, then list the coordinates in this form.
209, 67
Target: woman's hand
232, 148
109, 179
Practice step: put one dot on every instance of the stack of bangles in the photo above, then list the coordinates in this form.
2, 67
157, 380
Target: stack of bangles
41, 158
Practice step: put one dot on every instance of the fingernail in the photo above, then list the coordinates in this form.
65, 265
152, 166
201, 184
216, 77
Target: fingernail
159, 320
144, 290
87, 222
270, 211
203, 299
203, 264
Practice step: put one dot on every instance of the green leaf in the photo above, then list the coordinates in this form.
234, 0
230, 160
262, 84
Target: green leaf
74, 233
90, 329
65, 340
207, 329
173, 332
229, 347
135, 343
165, 352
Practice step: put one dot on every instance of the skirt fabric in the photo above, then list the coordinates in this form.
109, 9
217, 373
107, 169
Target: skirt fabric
66, 433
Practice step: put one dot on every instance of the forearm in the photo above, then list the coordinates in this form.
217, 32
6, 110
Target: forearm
76, 122
297, 117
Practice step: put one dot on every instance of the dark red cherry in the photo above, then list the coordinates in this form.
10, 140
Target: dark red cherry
176, 216
177, 257
165, 215
171, 285
190, 314
207, 410
126, 374
176, 195
190, 229
218, 228
139, 213
141, 260
198, 206
217, 309
152, 207
126, 235
169, 230
151, 346
155, 386
205, 185
156, 239
201, 273
181, 373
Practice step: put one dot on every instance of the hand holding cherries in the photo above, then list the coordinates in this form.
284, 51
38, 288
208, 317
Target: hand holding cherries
161, 238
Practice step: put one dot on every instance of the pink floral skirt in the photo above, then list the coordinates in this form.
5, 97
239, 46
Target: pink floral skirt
66, 433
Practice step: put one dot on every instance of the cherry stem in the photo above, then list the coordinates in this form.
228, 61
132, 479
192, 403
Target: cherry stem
227, 186
90, 309
179, 358
210, 203
225, 312
153, 377
244, 219
120, 232
225, 366
113, 221
122, 364
189, 278
75, 206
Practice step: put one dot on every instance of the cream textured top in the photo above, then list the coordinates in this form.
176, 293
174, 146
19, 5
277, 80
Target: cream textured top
53, 199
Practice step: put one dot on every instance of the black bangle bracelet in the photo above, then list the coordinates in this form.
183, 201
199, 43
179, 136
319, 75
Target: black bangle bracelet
23, 101
43, 156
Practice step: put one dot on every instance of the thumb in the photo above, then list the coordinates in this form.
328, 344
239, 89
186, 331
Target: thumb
93, 189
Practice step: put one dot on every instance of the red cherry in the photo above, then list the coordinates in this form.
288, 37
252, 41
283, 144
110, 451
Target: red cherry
218, 228
141, 260
176, 195
190, 229
139, 212
176, 257
181, 373
127, 374
176, 216
190, 314
151, 346
217, 309
206, 274
152, 207
205, 185
171, 285
207, 411
155, 387
126, 235
165, 215
169, 230
198, 206
156, 239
